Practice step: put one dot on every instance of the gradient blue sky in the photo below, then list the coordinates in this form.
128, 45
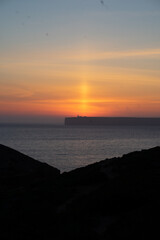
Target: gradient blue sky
58, 51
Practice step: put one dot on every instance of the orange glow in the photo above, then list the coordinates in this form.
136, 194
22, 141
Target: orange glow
79, 59
67, 89
90, 107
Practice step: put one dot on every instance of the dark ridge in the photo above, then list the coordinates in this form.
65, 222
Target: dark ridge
116, 198
14, 163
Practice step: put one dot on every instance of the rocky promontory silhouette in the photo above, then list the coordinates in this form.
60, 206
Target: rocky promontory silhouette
116, 198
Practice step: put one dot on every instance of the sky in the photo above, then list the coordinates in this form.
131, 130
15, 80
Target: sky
61, 58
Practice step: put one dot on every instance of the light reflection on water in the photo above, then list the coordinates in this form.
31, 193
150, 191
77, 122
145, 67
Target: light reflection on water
69, 148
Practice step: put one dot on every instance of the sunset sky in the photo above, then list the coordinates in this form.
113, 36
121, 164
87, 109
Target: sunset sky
79, 57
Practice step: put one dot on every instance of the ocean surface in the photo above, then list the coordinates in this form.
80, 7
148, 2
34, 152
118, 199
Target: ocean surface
67, 148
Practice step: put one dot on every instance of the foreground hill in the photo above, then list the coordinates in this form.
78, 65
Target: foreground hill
115, 198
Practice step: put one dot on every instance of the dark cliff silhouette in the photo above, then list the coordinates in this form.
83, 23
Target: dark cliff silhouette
107, 121
116, 198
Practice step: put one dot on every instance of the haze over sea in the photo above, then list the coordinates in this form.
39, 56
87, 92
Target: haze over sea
68, 148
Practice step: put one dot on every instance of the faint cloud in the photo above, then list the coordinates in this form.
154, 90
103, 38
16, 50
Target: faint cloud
148, 53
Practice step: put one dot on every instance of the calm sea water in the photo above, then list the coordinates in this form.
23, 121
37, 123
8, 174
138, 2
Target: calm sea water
70, 147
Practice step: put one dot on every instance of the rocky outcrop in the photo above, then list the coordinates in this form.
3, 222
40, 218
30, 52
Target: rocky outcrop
114, 198
17, 168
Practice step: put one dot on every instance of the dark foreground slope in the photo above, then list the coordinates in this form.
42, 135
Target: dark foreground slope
113, 199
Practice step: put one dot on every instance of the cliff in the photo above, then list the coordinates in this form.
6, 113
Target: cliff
107, 121
112, 199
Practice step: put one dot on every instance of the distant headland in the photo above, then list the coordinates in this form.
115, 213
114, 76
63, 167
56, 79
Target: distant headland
104, 121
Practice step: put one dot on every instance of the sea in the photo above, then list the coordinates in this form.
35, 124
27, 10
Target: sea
67, 148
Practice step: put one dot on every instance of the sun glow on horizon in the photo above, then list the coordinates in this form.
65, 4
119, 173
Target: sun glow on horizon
79, 59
